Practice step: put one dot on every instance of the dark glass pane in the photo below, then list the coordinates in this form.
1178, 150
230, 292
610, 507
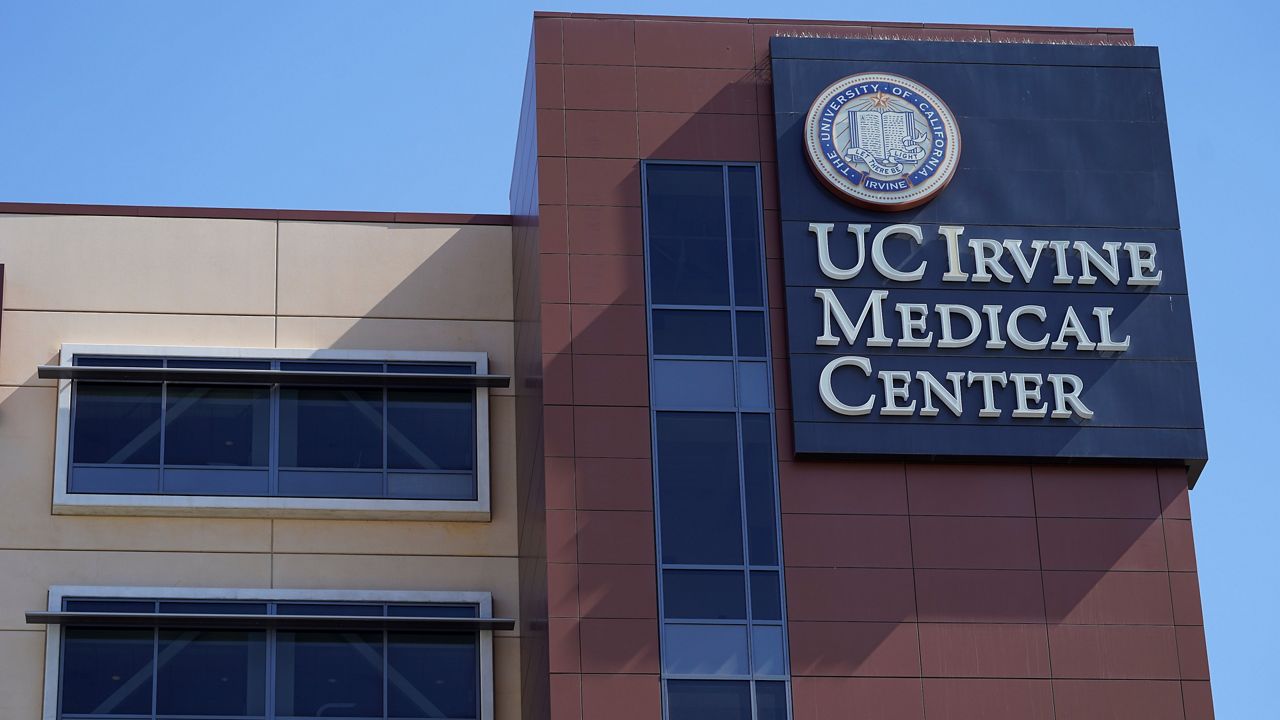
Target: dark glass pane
212, 672
434, 485
688, 250
107, 670
744, 226
331, 427
432, 675
697, 466
751, 334
328, 609
762, 518
771, 700
117, 423
430, 429
110, 606
329, 674
766, 595
331, 367
708, 700
704, 594
217, 425
692, 332
453, 611
212, 364
118, 362
429, 368
330, 483
213, 608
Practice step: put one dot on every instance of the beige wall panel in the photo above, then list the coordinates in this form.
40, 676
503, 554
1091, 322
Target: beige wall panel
35, 338
22, 681
28, 574
493, 337
132, 264
400, 572
404, 271
506, 678
26, 474
498, 537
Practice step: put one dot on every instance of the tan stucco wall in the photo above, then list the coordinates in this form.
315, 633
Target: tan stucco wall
241, 283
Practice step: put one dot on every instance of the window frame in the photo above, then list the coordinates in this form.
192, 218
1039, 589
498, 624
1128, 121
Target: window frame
68, 503
58, 593
738, 408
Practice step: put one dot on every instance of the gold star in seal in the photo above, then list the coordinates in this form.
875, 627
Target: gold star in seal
880, 101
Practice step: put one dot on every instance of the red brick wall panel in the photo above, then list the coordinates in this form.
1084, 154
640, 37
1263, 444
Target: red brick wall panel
621, 697
822, 698
980, 490
852, 649
617, 591
984, 650
1110, 544
974, 542
599, 42
1108, 598
1117, 700
599, 87
986, 596
1118, 652
1119, 492
987, 699
605, 230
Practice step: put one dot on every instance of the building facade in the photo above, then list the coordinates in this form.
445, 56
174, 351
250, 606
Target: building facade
586, 460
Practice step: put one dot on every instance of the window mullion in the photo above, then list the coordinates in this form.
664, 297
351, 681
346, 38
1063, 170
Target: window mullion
155, 671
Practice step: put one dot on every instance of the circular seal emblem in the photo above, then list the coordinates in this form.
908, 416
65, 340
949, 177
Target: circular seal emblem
882, 141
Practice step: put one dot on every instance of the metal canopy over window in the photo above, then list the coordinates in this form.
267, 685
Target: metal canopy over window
237, 376
207, 620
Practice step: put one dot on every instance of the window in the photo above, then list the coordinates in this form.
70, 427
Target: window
715, 472
280, 656
149, 428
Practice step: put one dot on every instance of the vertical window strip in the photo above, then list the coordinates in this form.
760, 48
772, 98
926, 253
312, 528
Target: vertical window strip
763, 687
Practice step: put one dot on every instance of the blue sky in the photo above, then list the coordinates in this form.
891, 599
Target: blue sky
412, 106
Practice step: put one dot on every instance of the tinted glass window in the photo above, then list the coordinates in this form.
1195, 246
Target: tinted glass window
217, 425
744, 222
751, 334
771, 700
117, 423
688, 250
757, 465
698, 488
435, 675
704, 594
430, 429
331, 427
705, 649
117, 361
107, 670
212, 672
692, 332
228, 673
708, 700
766, 595
321, 674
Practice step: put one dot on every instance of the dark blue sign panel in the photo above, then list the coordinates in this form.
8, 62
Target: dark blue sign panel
982, 253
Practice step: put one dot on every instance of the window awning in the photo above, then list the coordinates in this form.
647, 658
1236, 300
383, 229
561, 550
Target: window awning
363, 622
238, 376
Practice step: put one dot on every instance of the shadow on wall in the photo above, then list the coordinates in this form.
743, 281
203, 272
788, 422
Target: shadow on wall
871, 548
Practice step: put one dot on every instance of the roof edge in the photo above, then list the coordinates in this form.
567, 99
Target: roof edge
853, 23
164, 211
